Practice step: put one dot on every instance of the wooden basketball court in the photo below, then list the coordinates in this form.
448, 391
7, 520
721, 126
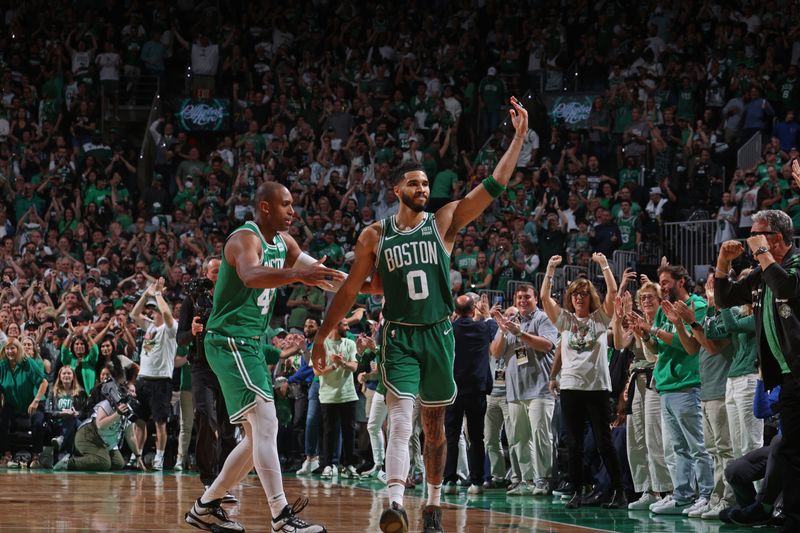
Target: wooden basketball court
83, 502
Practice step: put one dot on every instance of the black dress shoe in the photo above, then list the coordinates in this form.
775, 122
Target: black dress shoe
595, 498
617, 501
575, 502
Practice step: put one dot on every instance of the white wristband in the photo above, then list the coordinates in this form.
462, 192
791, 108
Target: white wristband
306, 260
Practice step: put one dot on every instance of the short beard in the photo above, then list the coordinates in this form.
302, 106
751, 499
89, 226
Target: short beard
408, 201
672, 295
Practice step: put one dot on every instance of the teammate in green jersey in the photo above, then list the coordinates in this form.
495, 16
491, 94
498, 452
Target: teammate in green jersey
258, 257
411, 252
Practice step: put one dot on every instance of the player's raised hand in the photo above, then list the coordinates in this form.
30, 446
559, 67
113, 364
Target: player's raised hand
519, 117
318, 275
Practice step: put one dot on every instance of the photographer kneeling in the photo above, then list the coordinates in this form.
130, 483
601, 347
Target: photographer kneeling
98, 439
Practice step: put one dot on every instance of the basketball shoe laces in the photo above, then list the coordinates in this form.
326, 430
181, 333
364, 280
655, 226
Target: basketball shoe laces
297, 507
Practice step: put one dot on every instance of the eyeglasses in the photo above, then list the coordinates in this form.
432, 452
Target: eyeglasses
754, 233
580, 294
644, 297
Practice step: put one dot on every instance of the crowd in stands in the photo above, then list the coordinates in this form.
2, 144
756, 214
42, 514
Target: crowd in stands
327, 98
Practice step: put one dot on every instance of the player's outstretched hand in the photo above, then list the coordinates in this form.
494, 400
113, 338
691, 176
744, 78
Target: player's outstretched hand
319, 275
519, 117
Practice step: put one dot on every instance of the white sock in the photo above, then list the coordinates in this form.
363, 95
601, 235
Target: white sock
264, 422
159, 454
396, 491
434, 495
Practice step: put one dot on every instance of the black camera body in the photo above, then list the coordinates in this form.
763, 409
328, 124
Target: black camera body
117, 394
201, 291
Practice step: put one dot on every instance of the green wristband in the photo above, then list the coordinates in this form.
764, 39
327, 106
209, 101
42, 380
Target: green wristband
492, 187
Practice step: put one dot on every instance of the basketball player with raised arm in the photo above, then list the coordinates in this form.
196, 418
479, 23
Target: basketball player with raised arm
411, 253
258, 257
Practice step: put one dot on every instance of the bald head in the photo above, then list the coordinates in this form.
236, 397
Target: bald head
465, 305
269, 191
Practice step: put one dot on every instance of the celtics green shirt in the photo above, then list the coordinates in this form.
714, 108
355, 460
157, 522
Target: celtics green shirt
414, 267
239, 311
675, 369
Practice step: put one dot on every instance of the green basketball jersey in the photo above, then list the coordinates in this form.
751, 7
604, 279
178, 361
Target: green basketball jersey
237, 310
627, 232
414, 267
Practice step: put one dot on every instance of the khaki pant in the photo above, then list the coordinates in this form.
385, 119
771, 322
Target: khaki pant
94, 454
531, 438
747, 431
496, 417
644, 441
717, 436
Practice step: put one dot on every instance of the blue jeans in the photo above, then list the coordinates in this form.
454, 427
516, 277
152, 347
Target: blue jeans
684, 449
313, 421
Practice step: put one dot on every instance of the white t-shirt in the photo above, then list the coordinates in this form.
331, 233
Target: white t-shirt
584, 351
157, 359
81, 61
109, 66
530, 143
205, 59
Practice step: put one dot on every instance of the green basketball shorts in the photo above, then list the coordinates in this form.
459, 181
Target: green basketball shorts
418, 360
242, 372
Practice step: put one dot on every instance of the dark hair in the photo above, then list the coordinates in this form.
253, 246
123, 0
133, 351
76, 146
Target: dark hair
525, 287
676, 272
465, 308
83, 340
404, 168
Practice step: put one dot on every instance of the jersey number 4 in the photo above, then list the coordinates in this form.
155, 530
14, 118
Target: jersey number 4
414, 279
264, 299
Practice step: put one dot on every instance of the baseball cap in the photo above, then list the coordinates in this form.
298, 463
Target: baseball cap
655, 190
491, 72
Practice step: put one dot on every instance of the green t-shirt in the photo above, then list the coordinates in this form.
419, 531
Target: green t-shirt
493, 93
466, 261
87, 373
714, 367
19, 386
675, 369
299, 314
627, 231
96, 196
742, 329
333, 252
338, 386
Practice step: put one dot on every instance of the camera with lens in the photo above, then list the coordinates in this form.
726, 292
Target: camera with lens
117, 394
201, 291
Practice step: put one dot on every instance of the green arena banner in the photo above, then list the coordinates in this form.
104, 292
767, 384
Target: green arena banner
204, 115
571, 111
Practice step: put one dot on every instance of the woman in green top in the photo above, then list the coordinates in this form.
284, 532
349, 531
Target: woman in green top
23, 385
481, 277
81, 354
